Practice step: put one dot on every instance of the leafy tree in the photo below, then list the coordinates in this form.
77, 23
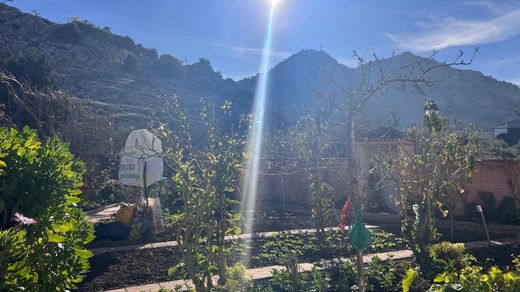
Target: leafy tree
42, 181
426, 176
311, 145
205, 177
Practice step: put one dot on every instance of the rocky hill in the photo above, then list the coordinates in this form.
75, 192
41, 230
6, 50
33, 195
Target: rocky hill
111, 71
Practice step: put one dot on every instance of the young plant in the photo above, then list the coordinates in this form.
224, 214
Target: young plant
204, 178
426, 175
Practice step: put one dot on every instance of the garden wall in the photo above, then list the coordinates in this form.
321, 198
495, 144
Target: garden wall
499, 177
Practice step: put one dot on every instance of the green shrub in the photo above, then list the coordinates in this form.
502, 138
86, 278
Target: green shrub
125, 42
237, 279
29, 67
131, 64
42, 181
449, 256
447, 251
508, 212
473, 279
169, 67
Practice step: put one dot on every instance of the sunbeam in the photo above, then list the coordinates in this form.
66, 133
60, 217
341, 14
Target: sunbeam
254, 151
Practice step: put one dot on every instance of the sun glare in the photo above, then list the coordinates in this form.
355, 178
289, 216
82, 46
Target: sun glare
254, 148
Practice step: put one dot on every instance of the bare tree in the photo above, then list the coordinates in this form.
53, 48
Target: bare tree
376, 78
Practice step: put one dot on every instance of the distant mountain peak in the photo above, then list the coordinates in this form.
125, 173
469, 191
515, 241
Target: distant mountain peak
311, 54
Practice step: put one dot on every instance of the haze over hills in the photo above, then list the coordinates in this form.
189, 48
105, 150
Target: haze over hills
103, 69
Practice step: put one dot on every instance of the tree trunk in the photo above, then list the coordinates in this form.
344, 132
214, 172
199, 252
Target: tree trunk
221, 242
357, 196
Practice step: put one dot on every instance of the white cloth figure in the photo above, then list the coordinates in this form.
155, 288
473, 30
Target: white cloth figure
141, 147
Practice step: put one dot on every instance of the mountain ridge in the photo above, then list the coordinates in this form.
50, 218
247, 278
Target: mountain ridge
99, 67
461, 93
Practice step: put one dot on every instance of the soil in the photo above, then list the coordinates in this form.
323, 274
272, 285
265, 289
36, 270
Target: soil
113, 270
500, 256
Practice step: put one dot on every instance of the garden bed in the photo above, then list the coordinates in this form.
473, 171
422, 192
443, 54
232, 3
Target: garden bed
118, 269
381, 275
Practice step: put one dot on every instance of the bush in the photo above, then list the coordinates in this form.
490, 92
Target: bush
448, 256
169, 67
42, 181
508, 212
29, 67
447, 251
131, 64
125, 42
237, 279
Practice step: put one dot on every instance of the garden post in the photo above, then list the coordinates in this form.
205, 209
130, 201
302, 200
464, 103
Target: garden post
361, 270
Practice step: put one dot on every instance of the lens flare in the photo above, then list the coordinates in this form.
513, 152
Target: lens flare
254, 148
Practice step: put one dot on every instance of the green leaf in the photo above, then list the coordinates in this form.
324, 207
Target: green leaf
72, 199
53, 237
439, 278
61, 228
408, 279
84, 253
171, 271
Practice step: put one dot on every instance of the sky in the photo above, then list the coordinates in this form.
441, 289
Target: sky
230, 33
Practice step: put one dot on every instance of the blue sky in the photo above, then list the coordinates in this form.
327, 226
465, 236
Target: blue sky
230, 33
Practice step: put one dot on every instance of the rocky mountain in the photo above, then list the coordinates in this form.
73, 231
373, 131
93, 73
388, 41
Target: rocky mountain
300, 81
108, 71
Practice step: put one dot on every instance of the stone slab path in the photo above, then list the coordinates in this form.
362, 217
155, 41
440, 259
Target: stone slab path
267, 272
102, 213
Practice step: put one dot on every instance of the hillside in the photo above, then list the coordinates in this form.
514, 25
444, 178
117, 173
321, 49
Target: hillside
111, 72
300, 81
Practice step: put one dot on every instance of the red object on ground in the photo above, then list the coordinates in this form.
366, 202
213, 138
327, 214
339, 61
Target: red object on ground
343, 222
